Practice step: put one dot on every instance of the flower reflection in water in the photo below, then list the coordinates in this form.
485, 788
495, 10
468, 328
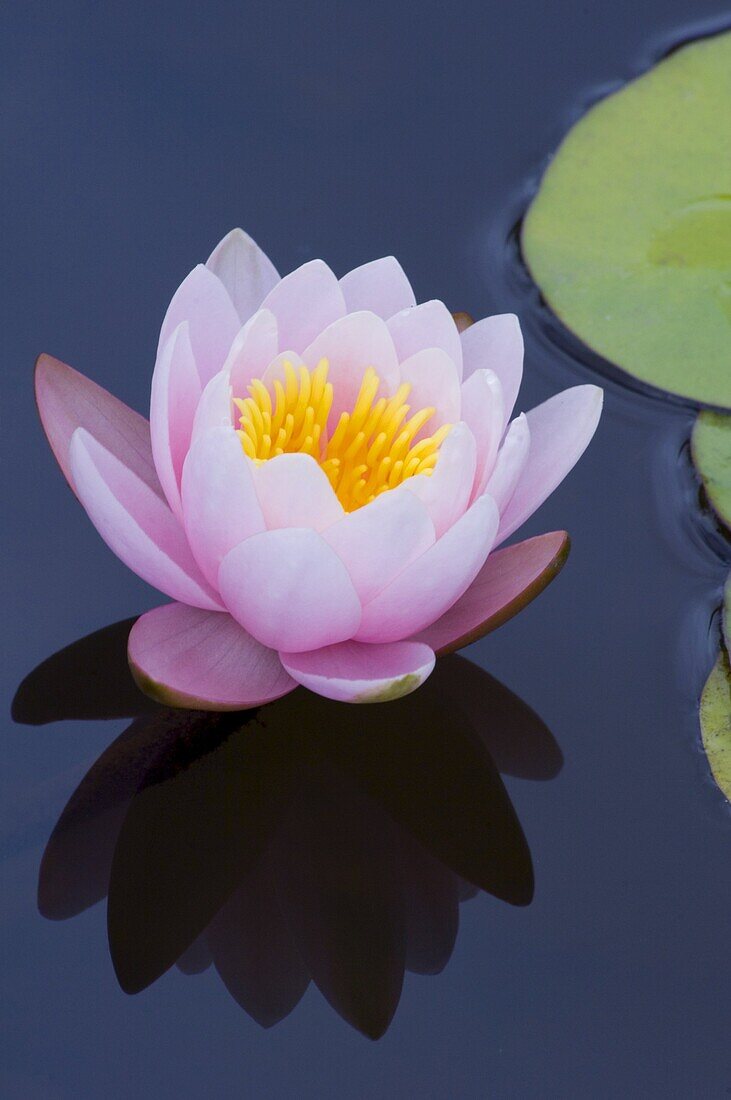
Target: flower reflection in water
304, 841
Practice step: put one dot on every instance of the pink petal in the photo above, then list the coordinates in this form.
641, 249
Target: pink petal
378, 541
482, 412
176, 391
185, 657
252, 351
290, 590
246, 272
220, 504
356, 673
435, 581
305, 302
510, 463
380, 286
496, 343
447, 491
215, 408
560, 431
275, 370
68, 400
136, 523
202, 300
294, 491
509, 579
434, 380
429, 325
351, 344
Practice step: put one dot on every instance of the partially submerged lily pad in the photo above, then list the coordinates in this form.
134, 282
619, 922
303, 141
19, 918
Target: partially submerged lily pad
711, 450
715, 715
629, 236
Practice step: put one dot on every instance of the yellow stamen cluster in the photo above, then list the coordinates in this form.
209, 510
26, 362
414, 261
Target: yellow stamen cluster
371, 449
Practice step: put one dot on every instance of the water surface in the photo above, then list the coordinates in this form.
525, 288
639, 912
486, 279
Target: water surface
134, 139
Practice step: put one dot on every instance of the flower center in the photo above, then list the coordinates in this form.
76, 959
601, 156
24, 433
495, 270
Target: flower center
372, 448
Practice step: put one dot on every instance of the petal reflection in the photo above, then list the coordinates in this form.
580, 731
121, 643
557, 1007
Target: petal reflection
303, 841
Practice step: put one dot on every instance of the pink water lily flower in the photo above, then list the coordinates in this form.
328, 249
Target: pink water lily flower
326, 468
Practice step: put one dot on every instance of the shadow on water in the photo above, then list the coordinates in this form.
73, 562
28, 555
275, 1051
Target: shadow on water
304, 841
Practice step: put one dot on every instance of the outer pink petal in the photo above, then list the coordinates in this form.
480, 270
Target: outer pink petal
305, 302
294, 491
356, 673
185, 657
482, 411
435, 581
246, 272
220, 504
202, 300
176, 392
290, 590
380, 286
352, 344
434, 381
509, 579
215, 408
253, 349
136, 523
378, 541
447, 491
510, 462
429, 325
560, 429
68, 400
496, 343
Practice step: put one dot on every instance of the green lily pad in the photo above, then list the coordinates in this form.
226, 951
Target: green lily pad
711, 450
715, 718
629, 236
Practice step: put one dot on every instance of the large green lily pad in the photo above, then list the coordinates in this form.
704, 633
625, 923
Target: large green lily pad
716, 722
629, 236
711, 451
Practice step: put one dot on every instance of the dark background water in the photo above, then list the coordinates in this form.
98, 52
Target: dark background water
133, 138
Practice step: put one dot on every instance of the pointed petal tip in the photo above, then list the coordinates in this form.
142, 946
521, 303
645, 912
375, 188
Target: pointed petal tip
237, 242
67, 399
591, 395
561, 429
45, 362
590, 402
45, 370
380, 286
235, 234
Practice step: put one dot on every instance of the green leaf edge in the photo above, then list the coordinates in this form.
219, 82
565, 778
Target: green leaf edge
717, 490
715, 722
622, 372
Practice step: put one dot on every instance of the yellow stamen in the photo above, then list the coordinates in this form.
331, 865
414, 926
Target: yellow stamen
371, 448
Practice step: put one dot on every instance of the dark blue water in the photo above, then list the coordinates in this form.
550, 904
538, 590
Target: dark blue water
133, 139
